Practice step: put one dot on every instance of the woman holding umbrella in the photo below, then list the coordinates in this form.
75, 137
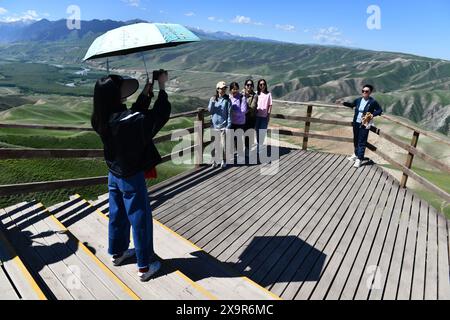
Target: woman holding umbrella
130, 153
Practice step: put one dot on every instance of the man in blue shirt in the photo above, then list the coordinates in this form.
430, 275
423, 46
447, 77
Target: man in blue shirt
366, 108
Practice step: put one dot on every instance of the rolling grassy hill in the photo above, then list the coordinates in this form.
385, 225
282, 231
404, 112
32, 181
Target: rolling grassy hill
415, 87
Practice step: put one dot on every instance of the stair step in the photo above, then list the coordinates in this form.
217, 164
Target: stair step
65, 266
200, 267
16, 281
90, 226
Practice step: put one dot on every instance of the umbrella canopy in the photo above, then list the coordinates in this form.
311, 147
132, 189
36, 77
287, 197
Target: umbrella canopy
137, 38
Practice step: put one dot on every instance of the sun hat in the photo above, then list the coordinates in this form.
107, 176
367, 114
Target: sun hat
221, 85
128, 86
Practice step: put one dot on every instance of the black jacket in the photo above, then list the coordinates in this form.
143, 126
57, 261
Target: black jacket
128, 145
372, 106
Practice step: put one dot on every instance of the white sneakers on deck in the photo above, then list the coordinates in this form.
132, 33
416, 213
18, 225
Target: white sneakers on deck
223, 165
356, 160
118, 260
152, 269
143, 274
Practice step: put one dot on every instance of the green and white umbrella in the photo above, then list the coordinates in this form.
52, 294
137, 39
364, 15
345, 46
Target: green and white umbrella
138, 38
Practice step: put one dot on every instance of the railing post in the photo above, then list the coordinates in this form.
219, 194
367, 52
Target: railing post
200, 135
409, 159
307, 126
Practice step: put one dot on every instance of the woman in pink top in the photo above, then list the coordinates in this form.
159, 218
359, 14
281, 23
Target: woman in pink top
263, 112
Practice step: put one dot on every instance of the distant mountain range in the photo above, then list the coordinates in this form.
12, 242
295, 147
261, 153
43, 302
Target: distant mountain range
45, 30
411, 86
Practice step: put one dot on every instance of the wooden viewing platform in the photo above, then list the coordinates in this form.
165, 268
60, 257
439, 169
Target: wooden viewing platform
307, 226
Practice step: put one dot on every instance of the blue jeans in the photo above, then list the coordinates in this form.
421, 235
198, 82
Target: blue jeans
261, 130
129, 206
360, 136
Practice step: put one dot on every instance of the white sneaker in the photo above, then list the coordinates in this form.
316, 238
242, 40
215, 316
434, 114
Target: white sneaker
118, 260
352, 158
224, 164
357, 163
152, 269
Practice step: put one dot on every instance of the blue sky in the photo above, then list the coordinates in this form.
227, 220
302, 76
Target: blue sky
418, 27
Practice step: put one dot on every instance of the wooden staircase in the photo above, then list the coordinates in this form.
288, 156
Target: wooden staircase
60, 253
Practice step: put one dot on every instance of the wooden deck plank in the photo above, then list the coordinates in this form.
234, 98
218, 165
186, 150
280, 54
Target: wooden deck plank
57, 256
370, 272
216, 176
7, 291
165, 212
341, 260
325, 241
237, 207
16, 272
45, 276
304, 229
395, 269
405, 284
388, 248
220, 191
443, 258
290, 265
354, 275
418, 284
431, 272
248, 256
181, 198
262, 220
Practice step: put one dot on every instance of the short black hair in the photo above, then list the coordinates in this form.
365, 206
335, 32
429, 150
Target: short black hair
369, 86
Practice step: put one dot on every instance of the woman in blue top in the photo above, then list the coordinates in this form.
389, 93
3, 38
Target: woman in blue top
366, 108
220, 109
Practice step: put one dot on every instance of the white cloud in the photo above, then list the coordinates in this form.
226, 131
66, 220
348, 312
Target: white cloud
212, 18
189, 14
331, 35
3, 10
132, 3
245, 20
285, 27
242, 20
29, 15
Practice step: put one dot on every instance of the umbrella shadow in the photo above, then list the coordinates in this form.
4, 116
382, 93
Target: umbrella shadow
301, 262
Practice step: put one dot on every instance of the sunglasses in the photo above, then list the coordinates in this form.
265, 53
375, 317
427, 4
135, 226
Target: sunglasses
249, 85
262, 84
366, 91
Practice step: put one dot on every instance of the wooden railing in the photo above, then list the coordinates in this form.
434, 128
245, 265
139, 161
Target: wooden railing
309, 120
411, 148
86, 153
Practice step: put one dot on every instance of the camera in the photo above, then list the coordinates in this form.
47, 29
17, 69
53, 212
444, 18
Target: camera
158, 73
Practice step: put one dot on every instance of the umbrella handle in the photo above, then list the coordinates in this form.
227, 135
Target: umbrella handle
145, 65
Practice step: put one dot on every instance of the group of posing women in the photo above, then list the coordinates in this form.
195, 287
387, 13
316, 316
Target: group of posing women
247, 110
